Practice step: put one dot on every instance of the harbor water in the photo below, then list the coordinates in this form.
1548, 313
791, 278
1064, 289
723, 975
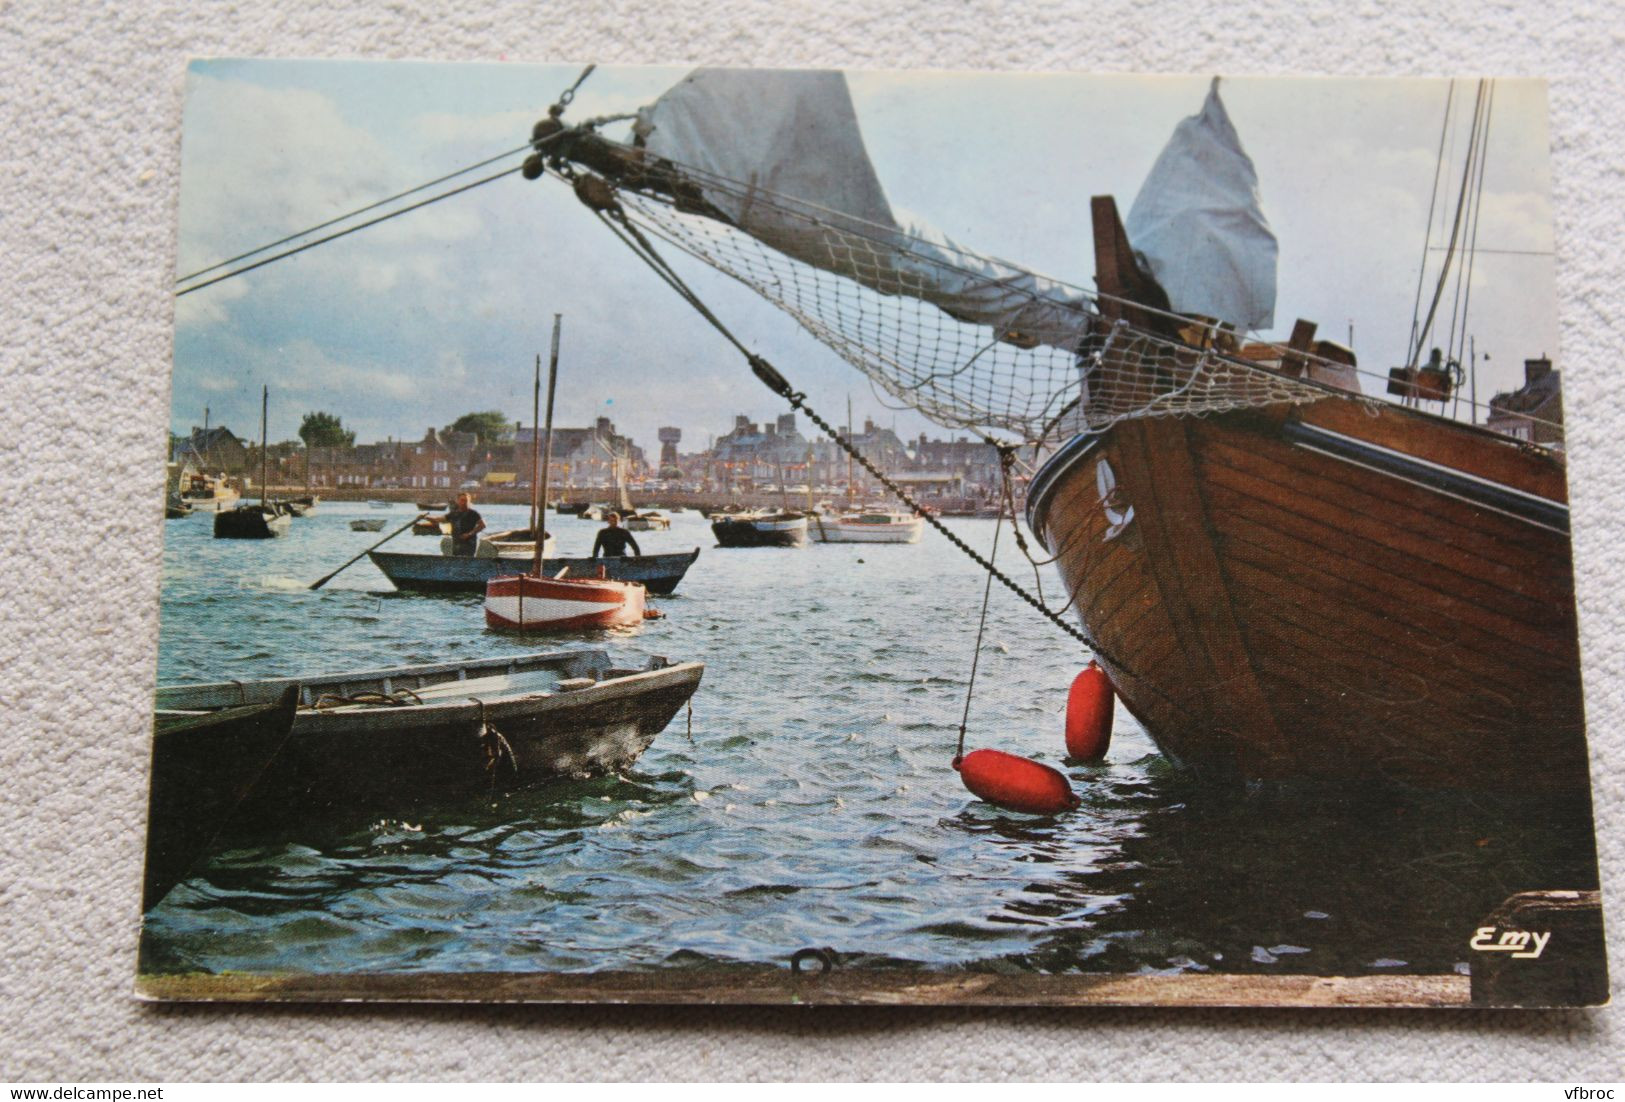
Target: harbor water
806, 800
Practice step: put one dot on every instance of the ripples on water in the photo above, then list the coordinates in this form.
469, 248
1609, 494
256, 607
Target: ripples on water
813, 804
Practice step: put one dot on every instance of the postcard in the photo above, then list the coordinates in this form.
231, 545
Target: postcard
807, 537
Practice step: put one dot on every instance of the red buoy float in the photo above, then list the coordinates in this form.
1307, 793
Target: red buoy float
1089, 707
1017, 783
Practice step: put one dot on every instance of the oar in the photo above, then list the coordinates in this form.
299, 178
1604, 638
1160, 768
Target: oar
323, 581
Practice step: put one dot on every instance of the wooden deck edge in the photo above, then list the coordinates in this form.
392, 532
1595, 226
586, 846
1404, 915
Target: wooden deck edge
779, 987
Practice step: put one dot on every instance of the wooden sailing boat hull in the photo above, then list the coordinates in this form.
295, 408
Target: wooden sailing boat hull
1348, 594
523, 602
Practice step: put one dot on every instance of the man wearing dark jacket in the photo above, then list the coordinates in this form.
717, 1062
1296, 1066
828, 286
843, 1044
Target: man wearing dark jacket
466, 526
614, 540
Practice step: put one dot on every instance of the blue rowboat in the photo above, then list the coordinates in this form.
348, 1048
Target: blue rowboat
468, 574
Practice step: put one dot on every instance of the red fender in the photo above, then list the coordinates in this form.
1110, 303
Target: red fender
1089, 708
1017, 783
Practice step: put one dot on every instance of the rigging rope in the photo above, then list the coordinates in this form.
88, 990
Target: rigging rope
603, 204
1455, 230
345, 232
1433, 199
536, 145
307, 231
976, 655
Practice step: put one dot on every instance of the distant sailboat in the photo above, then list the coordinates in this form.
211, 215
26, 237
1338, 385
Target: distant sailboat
266, 520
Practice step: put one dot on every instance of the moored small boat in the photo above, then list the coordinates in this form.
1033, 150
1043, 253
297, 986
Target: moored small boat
252, 522
873, 526
526, 602
659, 574
398, 739
429, 526
367, 524
760, 529
208, 495
647, 522
516, 544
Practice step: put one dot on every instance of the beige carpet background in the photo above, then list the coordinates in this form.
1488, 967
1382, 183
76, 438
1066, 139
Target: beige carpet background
90, 140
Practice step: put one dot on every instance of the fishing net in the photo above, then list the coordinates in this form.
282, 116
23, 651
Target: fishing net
967, 341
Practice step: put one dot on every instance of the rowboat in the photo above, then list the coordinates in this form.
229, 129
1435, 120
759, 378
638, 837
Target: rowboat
659, 574
204, 766
367, 524
525, 602
395, 740
877, 526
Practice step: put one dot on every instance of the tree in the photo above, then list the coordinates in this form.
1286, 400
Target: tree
492, 426
323, 430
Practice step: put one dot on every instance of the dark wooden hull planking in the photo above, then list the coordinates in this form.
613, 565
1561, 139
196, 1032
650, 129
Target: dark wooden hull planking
203, 768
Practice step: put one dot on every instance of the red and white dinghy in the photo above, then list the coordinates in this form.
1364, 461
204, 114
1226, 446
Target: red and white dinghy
525, 602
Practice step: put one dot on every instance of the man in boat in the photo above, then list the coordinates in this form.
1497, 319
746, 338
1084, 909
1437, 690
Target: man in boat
466, 526
614, 540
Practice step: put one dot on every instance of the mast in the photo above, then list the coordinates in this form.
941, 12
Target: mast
536, 448
539, 483
849, 435
265, 405
1472, 377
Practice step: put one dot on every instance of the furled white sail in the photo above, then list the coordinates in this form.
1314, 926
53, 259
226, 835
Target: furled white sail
1198, 224
782, 156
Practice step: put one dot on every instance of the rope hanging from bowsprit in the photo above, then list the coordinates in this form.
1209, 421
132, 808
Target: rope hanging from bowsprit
599, 196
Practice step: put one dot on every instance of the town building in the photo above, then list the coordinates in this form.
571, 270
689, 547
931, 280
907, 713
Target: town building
1533, 412
212, 450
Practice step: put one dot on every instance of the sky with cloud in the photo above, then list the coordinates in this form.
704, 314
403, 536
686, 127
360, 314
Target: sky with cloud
411, 323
